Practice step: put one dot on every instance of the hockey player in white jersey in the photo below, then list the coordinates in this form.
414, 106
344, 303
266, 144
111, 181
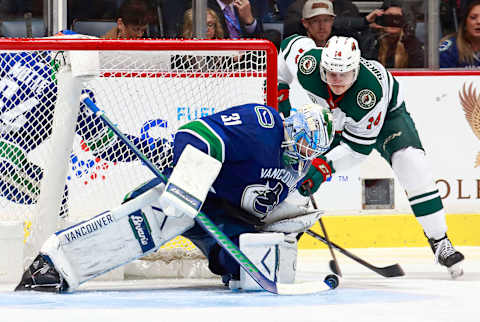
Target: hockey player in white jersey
370, 113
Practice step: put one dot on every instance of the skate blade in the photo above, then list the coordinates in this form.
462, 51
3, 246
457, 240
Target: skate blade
456, 270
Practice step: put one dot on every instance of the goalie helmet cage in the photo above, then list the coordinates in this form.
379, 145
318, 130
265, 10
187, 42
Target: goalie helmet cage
59, 165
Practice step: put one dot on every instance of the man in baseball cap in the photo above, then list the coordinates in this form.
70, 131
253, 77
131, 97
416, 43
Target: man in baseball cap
317, 18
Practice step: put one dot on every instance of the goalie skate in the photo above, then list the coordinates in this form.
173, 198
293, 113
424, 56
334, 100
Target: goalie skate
42, 276
447, 255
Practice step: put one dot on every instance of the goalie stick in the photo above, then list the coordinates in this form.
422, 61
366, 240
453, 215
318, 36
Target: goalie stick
329, 282
394, 270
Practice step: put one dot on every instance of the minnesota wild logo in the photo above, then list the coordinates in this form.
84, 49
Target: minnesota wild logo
471, 105
366, 99
307, 64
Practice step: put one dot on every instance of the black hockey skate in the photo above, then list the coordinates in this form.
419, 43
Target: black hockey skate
447, 255
42, 276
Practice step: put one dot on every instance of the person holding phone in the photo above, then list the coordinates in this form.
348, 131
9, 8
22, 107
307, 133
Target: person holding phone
397, 45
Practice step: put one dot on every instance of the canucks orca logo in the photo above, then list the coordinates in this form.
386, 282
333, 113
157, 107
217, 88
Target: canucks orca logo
261, 199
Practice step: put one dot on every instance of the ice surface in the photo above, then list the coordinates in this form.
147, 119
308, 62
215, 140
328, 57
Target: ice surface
426, 293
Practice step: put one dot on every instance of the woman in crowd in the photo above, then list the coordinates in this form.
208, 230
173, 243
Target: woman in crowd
214, 27
462, 49
201, 63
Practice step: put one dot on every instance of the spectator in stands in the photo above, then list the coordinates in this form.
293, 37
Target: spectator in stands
348, 22
462, 49
132, 21
214, 27
317, 18
397, 45
199, 62
237, 18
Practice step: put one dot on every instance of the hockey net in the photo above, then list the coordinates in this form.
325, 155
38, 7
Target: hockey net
59, 165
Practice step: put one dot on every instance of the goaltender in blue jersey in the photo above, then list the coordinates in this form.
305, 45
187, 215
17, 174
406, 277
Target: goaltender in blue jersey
261, 158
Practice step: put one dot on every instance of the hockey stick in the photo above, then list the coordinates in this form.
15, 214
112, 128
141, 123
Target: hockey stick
330, 281
389, 271
333, 262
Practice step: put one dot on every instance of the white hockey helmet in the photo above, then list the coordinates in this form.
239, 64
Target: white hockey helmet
309, 132
341, 57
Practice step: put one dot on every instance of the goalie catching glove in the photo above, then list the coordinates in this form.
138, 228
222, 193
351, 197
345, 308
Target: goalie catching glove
320, 171
290, 218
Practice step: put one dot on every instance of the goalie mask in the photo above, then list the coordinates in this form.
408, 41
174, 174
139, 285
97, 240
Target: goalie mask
308, 133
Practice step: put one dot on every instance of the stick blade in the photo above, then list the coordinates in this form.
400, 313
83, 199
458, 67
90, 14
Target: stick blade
394, 270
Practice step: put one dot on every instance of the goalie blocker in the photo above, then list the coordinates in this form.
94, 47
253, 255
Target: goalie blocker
136, 228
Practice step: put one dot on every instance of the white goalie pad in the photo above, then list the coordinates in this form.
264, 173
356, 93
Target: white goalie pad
113, 238
274, 254
189, 183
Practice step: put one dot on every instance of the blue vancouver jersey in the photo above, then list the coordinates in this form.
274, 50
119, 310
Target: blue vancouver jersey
247, 140
449, 57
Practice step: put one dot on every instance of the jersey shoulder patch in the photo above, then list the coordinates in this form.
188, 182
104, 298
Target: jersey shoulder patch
369, 83
308, 73
310, 61
367, 91
446, 44
366, 99
307, 64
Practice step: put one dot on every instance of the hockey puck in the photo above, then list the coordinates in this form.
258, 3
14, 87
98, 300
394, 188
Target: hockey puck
331, 280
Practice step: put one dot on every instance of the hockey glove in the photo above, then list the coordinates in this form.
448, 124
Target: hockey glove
284, 106
320, 171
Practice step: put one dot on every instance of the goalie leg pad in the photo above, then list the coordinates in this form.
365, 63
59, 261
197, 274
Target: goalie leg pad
111, 239
275, 255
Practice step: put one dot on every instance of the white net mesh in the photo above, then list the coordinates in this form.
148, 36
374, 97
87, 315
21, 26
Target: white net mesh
147, 94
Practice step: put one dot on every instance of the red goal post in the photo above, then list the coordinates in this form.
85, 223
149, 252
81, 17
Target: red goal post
55, 160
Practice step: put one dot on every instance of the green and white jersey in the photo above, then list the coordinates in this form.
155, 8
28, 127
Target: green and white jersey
291, 49
361, 111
